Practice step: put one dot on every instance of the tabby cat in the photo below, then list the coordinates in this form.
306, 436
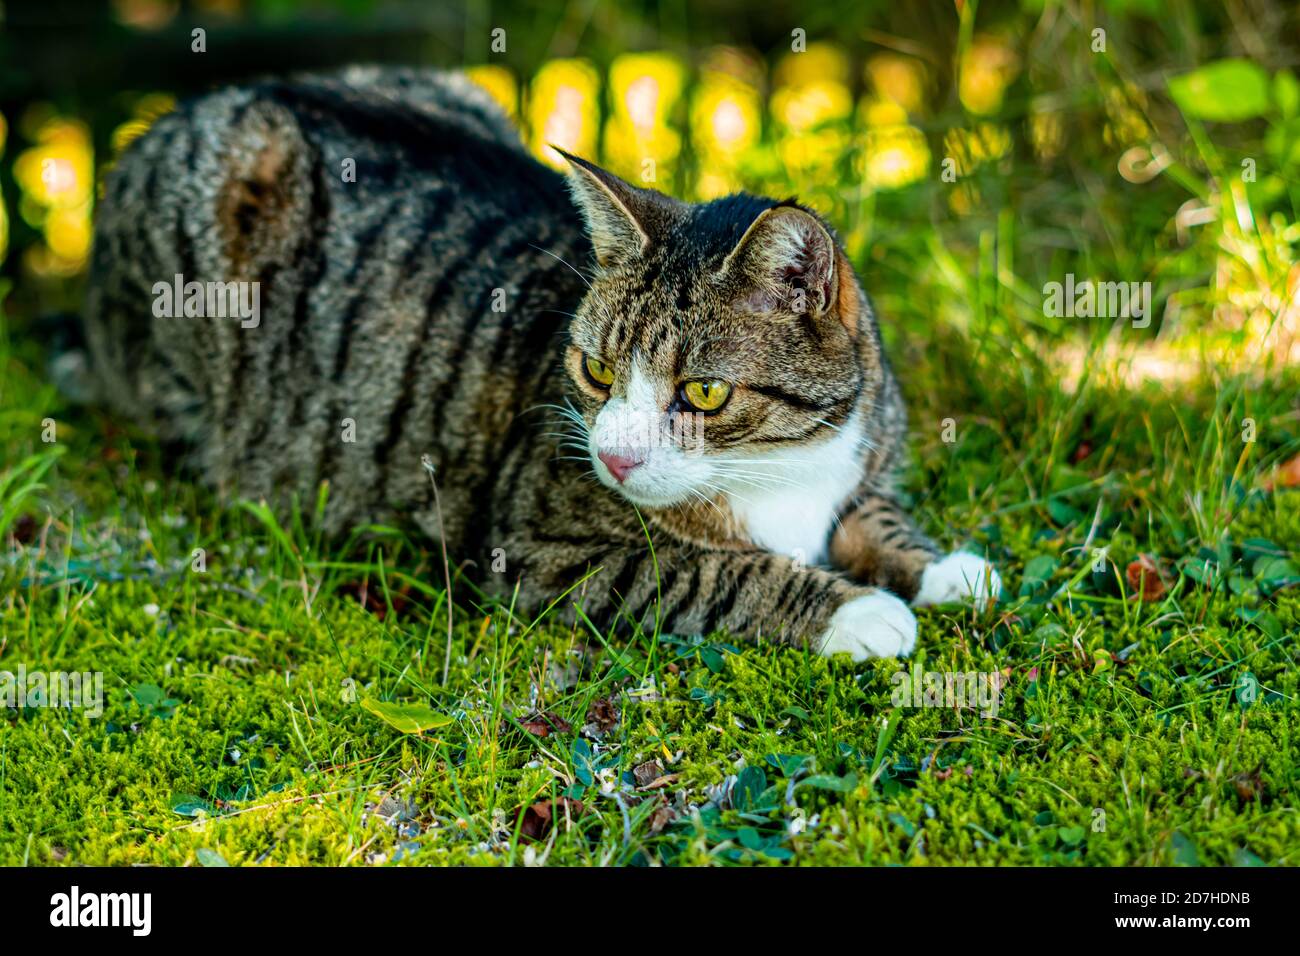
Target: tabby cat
573, 361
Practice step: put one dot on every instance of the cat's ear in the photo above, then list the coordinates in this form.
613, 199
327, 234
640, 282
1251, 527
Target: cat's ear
621, 219
785, 262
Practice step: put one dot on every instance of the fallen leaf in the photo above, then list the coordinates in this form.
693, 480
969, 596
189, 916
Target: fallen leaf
538, 819
647, 772
371, 597
408, 718
1249, 786
603, 713
1144, 578
1285, 475
543, 724
664, 814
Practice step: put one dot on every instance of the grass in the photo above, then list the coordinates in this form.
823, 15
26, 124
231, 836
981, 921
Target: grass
245, 719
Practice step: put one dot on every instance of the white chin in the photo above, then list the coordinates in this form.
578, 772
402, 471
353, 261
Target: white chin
641, 497
643, 500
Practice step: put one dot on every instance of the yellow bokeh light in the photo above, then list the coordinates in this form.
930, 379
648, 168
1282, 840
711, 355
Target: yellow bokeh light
563, 110
1046, 134
897, 79
147, 110
640, 142
500, 85
726, 119
58, 170
894, 153
67, 232
987, 68
820, 63
971, 148
812, 104
56, 177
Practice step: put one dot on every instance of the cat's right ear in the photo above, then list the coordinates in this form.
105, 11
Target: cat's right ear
620, 217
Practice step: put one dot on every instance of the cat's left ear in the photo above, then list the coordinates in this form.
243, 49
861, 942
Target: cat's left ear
621, 218
785, 262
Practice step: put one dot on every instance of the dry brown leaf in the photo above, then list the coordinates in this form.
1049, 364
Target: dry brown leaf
664, 814
1285, 475
658, 783
538, 819
1144, 578
603, 713
649, 771
543, 724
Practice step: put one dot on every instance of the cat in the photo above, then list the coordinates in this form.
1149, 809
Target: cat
573, 357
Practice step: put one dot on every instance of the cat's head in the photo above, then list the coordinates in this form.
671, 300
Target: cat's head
714, 338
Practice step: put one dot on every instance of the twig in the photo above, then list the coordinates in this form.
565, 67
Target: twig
427, 462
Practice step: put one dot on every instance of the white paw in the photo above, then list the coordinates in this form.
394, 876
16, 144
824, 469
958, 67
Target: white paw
877, 625
957, 577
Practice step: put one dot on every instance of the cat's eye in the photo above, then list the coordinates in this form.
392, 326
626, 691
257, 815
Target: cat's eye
599, 373
706, 396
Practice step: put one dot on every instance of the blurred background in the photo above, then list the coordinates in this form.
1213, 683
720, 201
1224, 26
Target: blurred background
968, 152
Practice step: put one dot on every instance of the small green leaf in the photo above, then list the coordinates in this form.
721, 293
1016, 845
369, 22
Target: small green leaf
407, 718
712, 659
188, 805
826, 781
208, 857
750, 784
147, 695
1063, 513
1244, 857
582, 768
904, 824
1263, 620
1071, 836
787, 764
1270, 569
1040, 568
1184, 850
1226, 91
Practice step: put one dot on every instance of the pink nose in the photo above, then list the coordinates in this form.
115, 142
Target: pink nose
618, 465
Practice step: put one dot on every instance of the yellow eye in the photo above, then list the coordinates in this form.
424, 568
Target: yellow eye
706, 396
599, 372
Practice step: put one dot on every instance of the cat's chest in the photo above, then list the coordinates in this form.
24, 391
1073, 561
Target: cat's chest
788, 502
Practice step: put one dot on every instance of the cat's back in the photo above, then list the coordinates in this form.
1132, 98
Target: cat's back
403, 245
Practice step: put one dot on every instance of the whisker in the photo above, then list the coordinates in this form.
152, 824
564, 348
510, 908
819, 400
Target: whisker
561, 259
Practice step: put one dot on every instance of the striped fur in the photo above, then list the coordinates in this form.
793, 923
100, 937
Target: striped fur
378, 302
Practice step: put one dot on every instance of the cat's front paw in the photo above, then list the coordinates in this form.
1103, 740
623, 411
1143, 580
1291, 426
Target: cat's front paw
957, 577
877, 625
